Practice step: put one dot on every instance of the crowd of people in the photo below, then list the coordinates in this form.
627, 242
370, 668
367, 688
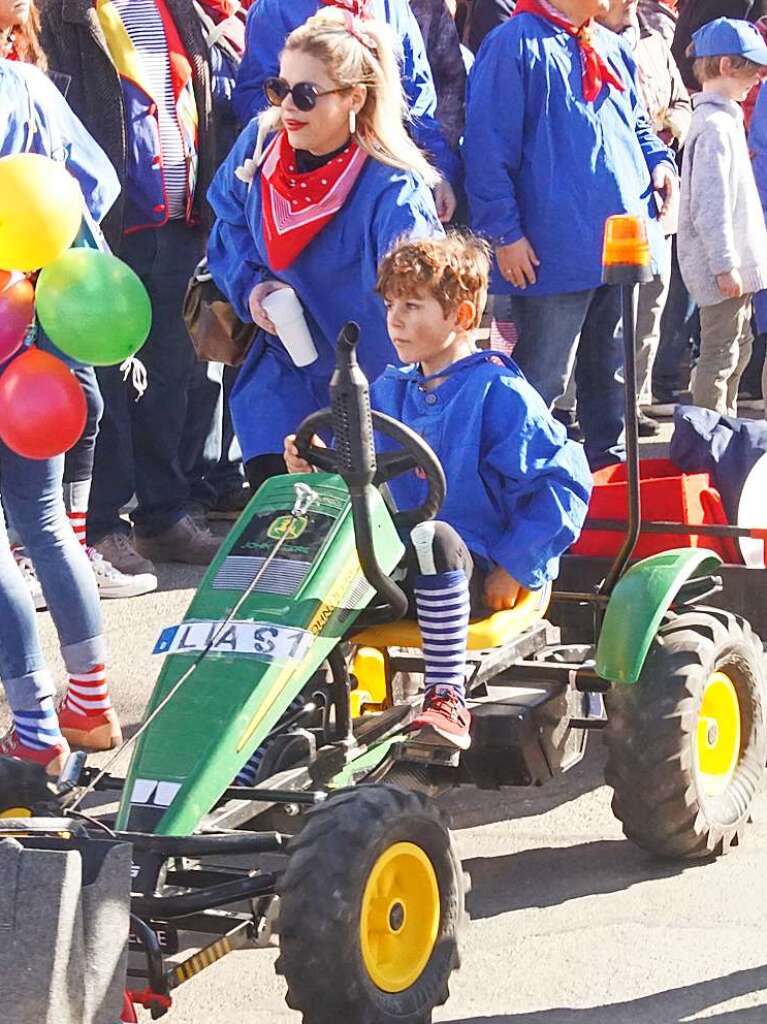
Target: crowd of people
292, 144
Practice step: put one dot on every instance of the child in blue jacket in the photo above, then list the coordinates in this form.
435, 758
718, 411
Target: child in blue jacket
517, 489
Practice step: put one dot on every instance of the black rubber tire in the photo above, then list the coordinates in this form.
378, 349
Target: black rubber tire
320, 901
651, 734
25, 785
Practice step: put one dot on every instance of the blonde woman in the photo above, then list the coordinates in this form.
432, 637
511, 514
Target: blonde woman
311, 197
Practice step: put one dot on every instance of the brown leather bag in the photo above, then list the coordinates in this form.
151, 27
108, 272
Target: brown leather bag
218, 335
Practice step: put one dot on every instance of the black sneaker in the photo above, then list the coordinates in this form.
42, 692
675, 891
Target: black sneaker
647, 427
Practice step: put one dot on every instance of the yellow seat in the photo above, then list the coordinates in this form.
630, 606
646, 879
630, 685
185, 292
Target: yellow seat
494, 631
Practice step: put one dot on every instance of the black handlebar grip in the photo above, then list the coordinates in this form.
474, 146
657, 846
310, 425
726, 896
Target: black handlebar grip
350, 404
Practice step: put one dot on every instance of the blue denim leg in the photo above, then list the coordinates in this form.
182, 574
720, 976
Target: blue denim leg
32, 495
676, 327
113, 476
78, 461
139, 447
554, 329
599, 380
22, 666
201, 440
549, 327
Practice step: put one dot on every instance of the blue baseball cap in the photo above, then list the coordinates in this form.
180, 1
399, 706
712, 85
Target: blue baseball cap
728, 37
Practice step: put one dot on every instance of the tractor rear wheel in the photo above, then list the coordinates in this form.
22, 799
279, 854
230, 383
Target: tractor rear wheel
687, 742
24, 790
371, 904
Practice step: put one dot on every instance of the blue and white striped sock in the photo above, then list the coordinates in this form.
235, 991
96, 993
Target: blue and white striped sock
248, 774
38, 729
442, 608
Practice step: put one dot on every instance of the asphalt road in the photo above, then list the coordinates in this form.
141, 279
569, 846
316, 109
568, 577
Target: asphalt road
571, 924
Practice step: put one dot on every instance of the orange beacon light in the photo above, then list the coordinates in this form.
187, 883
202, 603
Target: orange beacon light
625, 252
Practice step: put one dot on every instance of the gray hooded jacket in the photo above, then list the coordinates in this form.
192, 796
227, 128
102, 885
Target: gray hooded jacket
721, 224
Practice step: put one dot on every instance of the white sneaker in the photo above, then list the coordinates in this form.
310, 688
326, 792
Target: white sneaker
27, 570
114, 584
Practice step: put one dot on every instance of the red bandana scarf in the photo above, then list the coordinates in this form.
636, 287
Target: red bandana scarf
596, 71
296, 207
356, 7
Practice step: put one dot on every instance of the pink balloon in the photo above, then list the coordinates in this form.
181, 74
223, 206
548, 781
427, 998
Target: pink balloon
17, 310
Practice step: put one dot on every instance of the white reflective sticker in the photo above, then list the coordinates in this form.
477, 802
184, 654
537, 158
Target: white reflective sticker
153, 793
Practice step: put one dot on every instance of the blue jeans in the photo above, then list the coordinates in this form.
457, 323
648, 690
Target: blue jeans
553, 331
78, 461
31, 493
144, 446
679, 329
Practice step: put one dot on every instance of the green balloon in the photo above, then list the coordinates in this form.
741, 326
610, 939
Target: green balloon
93, 307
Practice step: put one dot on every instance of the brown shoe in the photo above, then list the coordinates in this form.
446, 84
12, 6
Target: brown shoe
183, 542
118, 549
90, 732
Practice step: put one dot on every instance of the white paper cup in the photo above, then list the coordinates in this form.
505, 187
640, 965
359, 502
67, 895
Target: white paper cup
287, 315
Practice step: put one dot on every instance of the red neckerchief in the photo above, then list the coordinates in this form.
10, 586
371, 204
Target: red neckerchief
357, 7
226, 15
298, 206
596, 71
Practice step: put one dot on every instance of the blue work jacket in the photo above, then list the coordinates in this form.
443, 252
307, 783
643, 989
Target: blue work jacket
544, 163
334, 278
517, 488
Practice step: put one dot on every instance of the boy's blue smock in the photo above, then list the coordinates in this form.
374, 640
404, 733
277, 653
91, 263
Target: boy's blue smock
334, 278
757, 143
517, 488
35, 118
269, 24
543, 163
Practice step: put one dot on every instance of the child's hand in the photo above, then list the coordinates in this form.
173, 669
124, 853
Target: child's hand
730, 284
293, 460
501, 590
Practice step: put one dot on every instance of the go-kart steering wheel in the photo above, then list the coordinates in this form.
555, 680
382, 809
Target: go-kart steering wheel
414, 453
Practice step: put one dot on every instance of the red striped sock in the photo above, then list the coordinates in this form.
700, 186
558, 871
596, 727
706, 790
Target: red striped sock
88, 692
79, 521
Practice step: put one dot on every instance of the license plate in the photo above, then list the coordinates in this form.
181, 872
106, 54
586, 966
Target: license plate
262, 640
167, 939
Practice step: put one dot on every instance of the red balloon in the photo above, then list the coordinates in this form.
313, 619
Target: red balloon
42, 406
17, 310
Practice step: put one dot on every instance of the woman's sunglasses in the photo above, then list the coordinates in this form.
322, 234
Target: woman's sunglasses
305, 94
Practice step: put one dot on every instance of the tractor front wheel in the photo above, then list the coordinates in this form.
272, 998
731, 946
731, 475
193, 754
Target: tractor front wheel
371, 904
687, 743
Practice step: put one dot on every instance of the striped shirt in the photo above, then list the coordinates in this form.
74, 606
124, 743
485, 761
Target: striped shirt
144, 26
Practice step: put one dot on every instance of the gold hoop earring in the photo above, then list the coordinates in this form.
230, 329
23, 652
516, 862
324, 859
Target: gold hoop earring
352, 121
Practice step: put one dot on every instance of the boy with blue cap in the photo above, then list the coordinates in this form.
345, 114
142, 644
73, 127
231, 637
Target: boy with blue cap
722, 241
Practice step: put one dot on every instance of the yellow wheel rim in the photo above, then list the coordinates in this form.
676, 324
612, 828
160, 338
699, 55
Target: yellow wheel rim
399, 922
717, 741
16, 812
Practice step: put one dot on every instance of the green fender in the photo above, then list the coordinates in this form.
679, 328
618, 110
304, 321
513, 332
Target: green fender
638, 603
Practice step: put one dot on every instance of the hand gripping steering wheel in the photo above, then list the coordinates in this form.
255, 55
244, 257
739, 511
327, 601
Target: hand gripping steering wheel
413, 453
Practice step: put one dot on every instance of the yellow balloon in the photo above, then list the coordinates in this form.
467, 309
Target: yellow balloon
40, 211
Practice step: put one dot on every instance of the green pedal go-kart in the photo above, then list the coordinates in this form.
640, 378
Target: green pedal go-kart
337, 854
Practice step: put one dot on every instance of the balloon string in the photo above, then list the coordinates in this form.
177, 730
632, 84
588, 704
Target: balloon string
136, 370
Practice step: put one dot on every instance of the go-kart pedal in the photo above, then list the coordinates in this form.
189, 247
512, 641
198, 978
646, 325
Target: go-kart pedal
419, 751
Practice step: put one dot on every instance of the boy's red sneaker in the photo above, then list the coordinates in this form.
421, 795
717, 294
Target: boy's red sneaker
443, 720
95, 732
51, 758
